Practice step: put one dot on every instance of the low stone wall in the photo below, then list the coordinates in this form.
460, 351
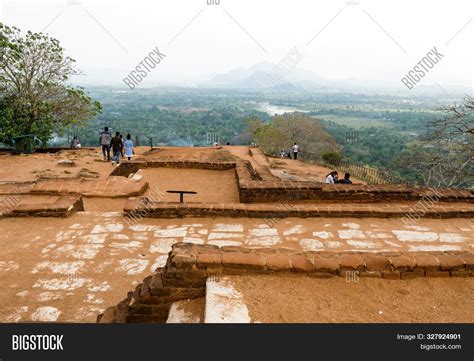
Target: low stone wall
258, 188
189, 265
146, 208
16, 188
126, 168
255, 189
113, 187
280, 191
64, 206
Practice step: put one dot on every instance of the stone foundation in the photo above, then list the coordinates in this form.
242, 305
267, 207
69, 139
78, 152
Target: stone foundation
259, 188
63, 206
126, 168
148, 208
189, 265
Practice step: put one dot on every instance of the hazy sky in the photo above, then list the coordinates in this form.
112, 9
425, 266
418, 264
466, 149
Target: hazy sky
369, 41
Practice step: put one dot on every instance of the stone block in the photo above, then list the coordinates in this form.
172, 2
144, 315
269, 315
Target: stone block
377, 263
278, 262
427, 262
351, 262
301, 264
243, 260
326, 264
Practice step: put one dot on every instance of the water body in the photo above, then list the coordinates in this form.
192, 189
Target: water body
271, 109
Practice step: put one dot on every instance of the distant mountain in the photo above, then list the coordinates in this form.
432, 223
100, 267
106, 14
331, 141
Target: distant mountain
266, 75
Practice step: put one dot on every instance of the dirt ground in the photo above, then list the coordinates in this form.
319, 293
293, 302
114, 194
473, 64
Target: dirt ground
301, 299
288, 169
80, 265
89, 163
210, 185
204, 154
284, 168
70, 269
25, 168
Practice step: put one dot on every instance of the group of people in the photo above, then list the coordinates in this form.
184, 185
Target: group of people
295, 150
332, 178
75, 142
119, 147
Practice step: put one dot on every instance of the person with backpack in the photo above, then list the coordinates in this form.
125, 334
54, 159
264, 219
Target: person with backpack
122, 150
104, 142
117, 145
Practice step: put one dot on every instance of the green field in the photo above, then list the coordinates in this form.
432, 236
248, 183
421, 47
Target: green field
356, 123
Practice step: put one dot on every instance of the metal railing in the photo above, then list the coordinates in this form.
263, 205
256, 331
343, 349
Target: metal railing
363, 172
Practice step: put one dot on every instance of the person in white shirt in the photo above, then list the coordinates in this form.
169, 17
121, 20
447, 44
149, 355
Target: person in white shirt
128, 145
331, 178
295, 151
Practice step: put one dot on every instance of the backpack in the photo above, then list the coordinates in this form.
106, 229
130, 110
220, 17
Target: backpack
105, 138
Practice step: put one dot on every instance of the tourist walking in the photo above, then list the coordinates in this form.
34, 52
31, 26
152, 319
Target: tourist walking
128, 145
117, 145
295, 151
104, 142
122, 150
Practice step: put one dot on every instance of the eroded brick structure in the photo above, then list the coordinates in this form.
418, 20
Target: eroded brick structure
189, 265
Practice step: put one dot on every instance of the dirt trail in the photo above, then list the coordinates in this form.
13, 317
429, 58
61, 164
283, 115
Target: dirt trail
290, 169
283, 168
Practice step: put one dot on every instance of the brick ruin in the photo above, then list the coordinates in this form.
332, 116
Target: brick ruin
254, 187
261, 195
188, 267
261, 188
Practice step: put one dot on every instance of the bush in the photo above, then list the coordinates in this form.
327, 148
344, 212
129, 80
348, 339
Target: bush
332, 158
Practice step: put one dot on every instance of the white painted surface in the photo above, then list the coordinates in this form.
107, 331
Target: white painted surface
415, 236
218, 235
132, 266
221, 227
224, 304
46, 314
298, 229
163, 245
177, 314
107, 228
260, 232
309, 244
323, 234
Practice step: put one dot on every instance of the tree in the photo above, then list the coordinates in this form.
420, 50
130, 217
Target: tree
253, 125
445, 157
289, 128
34, 96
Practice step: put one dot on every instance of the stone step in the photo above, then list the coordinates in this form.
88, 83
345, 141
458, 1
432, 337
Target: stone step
411, 210
20, 205
112, 187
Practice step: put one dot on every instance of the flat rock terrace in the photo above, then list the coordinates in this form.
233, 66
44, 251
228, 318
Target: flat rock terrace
86, 241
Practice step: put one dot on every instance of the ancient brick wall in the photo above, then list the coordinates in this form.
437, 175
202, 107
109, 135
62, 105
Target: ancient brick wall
258, 188
189, 265
284, 210
126, 168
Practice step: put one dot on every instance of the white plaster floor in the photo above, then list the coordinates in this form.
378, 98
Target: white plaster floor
69, 270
